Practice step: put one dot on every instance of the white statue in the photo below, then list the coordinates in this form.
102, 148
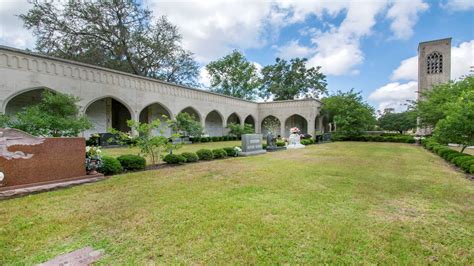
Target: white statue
294, 141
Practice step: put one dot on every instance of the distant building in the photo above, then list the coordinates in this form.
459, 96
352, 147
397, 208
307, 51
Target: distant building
434, 67
434, 63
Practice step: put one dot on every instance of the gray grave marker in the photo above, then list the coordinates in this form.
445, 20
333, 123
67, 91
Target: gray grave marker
252, 145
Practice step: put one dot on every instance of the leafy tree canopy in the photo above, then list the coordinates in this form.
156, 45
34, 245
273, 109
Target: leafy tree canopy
235, 76
290, 80
57, 115
349, 112
115, 34
434, 103
238, 130
458, 124
398, 121
185, 123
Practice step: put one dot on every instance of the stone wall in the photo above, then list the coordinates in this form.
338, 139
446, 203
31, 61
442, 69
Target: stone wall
22, 71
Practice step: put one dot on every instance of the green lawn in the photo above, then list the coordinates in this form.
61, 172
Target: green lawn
115, 152
338, 203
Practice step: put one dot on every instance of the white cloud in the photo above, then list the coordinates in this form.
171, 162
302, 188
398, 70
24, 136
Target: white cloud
459, 5
408, 70
204, 78
404, 15
12, 32
462, 58
394, 95
293, 49
213, 28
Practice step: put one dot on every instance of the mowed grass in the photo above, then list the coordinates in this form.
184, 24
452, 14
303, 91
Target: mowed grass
338, 203
116, 152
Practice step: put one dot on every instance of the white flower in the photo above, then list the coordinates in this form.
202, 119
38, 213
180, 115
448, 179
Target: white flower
2, 176
88, 148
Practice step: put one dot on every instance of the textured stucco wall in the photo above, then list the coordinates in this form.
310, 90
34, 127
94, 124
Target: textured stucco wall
22, 71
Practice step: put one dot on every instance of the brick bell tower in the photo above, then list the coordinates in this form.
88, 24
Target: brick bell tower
434, 67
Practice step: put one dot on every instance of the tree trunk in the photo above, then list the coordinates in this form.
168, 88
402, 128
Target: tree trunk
463, 148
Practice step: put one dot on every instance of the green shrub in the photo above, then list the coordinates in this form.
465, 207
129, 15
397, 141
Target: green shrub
205, 139
190, 157
467, 164
446, 152
452, 156
280, 143
306, 141
110, 166
132, 162
472, 169
174, 159
205, 154
458, 161
264, 146
230, 151
219, 153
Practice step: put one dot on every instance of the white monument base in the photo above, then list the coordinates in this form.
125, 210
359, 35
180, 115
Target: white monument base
295, 146
294, 142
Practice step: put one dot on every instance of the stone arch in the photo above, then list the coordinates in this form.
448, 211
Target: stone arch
233, 118
108, 112
250, 120
155, 111
298, 121
214, 124
193, 112
271, 124
21, 99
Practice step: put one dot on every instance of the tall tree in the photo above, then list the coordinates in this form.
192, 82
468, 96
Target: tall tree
289, 80
349, 112
433, 103
117, 34
235, 76
458, 124
400, 122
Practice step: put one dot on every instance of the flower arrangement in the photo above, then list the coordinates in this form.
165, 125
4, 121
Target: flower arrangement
237, 151
93, 159
294, 130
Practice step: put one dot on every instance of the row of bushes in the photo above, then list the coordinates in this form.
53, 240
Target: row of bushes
213, 139
127, 162
375, 138
200, 155
461, 160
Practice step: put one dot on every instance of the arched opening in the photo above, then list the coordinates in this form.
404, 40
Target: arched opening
214, 124
192, 112
157, 111
233, 118
106, 113
434, 63
24, 99
296, 121
271, 124
249, 120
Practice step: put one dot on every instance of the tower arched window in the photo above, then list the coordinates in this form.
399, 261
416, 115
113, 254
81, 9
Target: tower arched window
434, 63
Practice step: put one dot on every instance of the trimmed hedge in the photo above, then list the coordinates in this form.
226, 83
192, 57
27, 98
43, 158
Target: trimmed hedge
461, 160
219, 153
375, 138
191, 157
307, 141
205, 154
230, 151
132, 162
174, 159
110, 166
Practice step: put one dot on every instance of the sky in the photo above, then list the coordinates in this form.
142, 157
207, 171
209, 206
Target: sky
368, 45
